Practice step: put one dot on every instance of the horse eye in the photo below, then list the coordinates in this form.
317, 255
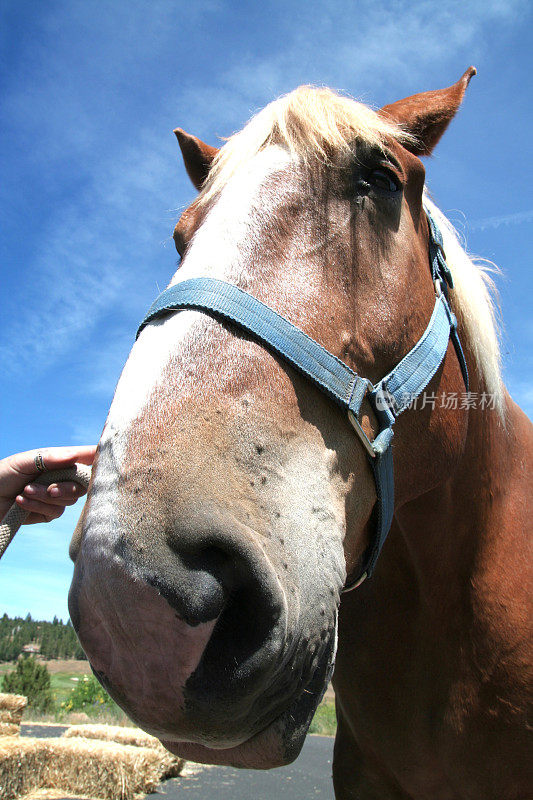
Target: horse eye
383, 179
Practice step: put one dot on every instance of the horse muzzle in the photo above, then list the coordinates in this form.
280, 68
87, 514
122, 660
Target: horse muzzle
193, 641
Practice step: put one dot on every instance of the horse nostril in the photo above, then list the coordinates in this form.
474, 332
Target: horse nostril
196, 584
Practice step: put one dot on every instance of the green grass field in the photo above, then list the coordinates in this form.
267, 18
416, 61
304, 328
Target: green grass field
324, 722
62, 685
62, 682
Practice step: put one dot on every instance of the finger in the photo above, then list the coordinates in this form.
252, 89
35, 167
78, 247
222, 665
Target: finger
34, 519
53, 458
67, 491
57, 457
61, 494
86, 454
48, 511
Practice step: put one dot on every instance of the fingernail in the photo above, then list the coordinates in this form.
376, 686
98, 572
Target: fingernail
54, 491
20, 499
29, 489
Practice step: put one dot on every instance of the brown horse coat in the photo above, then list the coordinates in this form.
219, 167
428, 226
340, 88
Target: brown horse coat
230, 499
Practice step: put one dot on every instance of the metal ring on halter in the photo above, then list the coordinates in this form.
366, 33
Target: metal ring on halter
39, 463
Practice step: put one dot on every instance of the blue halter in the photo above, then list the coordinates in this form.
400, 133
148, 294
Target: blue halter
388, 398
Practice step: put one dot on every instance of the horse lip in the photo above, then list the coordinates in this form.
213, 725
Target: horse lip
292, 723
272, 716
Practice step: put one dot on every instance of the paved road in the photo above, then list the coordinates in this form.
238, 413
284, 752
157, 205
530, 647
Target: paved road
41, 731
307, 778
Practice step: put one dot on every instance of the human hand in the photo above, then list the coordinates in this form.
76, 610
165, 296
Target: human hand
43, 503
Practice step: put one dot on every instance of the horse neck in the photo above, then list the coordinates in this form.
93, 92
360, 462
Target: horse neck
464, 532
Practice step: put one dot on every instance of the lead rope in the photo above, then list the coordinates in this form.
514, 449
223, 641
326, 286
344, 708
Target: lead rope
16, 515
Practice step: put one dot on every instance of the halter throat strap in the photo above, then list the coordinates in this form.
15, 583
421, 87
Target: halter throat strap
388, 398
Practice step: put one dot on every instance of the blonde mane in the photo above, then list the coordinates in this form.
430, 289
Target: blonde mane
476, 305
315, 122
311, 122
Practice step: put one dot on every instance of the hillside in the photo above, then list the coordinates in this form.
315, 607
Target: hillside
49, 640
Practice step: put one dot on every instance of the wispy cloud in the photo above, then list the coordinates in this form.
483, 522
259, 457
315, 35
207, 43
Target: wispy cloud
502, 219
91, 172
366, 46
97, 236
83, 270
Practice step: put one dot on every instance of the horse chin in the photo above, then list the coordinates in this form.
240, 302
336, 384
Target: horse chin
276, 745
159, 669
265, 750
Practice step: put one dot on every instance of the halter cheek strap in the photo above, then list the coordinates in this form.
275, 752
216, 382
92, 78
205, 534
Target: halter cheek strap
388, 398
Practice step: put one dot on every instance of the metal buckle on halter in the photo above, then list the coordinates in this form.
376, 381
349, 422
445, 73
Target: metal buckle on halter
365, 441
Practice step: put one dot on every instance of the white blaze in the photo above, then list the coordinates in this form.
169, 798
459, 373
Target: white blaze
219, 250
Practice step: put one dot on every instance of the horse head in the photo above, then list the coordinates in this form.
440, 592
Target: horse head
230, 497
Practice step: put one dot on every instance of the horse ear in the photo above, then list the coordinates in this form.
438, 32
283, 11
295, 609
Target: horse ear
197, 156
427, 115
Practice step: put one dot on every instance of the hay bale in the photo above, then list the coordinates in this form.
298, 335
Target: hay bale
78, 718
19, 764
113, 733
11, 709
91, 768
53, 794
14, 717
16, 703
9, 729
131, 736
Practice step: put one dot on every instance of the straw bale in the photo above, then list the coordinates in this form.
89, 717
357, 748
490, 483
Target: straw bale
9, 729
122, 735
113, 733
84, 767
54, 794
11, 716
79, 718
13, 702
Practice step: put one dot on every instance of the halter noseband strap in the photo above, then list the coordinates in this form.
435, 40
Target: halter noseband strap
388, 398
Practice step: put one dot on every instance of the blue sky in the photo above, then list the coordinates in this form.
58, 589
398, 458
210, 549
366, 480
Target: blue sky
92, 184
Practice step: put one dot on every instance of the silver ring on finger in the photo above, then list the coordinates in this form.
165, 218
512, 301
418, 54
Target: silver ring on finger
39, 463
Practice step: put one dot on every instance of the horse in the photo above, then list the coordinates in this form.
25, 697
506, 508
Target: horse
233, 503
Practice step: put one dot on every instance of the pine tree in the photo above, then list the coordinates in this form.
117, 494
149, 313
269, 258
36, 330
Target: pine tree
33, 681
56, 639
